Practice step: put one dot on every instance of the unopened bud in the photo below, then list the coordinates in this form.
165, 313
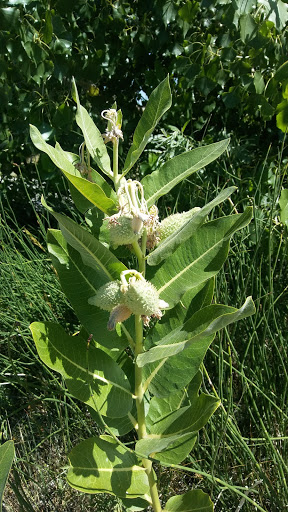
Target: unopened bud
107, 296
173, 222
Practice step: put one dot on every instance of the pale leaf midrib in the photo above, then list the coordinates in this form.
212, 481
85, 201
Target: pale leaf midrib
128, 469
186, 269
92, 254
85, 370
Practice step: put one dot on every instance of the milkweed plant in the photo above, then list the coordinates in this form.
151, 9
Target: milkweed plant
145, 329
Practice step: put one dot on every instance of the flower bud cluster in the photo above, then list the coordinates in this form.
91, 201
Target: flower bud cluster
127, 226
113, 131
126, 297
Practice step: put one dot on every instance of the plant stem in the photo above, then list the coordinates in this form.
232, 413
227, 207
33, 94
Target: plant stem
140, 257
115, 164
139, 393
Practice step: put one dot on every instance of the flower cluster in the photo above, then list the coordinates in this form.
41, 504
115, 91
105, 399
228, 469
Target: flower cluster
131, 295
127, 226
113, 131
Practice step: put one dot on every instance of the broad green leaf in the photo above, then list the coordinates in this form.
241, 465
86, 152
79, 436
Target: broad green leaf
282, 116
95, 176
172, 425
198, 259
203, 324
158, 446
160, 182
82, 204
93, 138
118, 426
7, 454
58, 157
159, 102
99, 465
134, 505
97, 192
93, 253
248, 28
175, 452
168, 246
283, 202
80, 282
47, 32
276, 11
192, 501
172, 374
192, 301
93, 193
90, 374
259, 83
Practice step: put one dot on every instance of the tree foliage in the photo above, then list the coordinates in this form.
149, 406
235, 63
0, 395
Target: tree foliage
227, 62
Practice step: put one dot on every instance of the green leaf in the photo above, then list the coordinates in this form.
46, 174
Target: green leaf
160, 182
7, 454
259, 83
178, 450
171, 425
168, 246
191, 302
203, 324
282, 116
159, 102
176, 372
93, 193
93, 253
171, 374
80, 282
283, 202
90, 374
248, 28
97, 191
58, 157
99, 465
134, 505
277, 12
118, 426
93, 138
192, 501
198, 259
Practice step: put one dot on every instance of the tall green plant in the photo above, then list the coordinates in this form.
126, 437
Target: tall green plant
140, 371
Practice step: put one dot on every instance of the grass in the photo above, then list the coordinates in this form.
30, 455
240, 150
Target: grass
241, 456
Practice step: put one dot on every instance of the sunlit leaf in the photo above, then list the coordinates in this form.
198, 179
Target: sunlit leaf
158, 103
90, 374
168, 246
197, 259
192, 501
93, 138
160, 182
203, 324
101, 465
80, 282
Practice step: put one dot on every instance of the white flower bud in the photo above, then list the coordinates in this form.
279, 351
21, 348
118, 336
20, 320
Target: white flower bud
173, 222
108, 296
142, 298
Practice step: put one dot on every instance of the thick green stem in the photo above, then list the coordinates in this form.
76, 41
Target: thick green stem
139, 393
140, 257
115, 164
